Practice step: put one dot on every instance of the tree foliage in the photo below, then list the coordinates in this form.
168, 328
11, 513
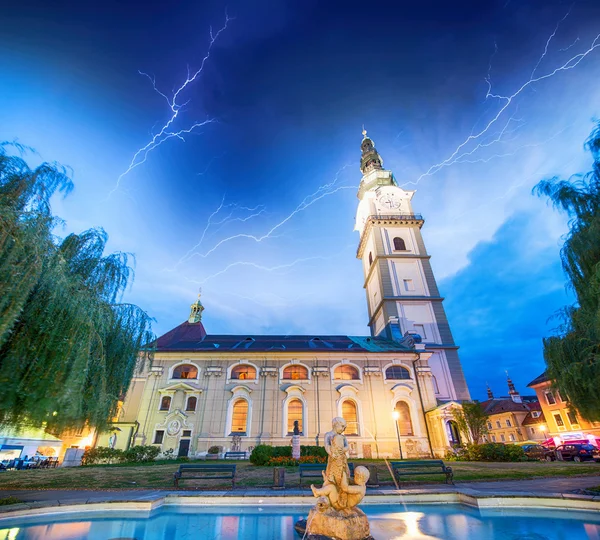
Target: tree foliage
572, 355
68, 346
471, 420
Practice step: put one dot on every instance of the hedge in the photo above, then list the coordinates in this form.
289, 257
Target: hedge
487, 452
105, 455
263, 453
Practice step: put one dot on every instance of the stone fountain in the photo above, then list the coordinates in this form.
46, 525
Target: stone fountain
335, 516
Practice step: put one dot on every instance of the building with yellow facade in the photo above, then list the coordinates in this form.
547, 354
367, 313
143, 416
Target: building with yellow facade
563, 424
238, 391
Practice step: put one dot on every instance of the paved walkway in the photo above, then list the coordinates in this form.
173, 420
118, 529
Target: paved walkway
539, 487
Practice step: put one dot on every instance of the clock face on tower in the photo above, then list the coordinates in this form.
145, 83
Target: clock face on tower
389, 201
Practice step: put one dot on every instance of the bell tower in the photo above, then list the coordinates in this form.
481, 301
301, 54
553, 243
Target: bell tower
402, 295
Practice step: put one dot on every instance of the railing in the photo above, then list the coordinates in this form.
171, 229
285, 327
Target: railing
413, 217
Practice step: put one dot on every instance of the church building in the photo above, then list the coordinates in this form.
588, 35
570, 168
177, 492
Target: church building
396, 387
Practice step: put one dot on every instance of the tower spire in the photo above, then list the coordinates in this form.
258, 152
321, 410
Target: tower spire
490, 394
512, 391
370, 159
196, 310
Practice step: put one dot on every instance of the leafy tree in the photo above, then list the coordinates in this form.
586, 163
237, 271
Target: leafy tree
572, 355
471, 420
68, 346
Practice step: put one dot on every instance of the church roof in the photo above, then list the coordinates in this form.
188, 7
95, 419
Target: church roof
496, 406
192, 337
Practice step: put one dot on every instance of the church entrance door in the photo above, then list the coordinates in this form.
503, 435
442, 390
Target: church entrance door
184, 448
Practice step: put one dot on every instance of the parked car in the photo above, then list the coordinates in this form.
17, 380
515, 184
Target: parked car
534, 451
576, 452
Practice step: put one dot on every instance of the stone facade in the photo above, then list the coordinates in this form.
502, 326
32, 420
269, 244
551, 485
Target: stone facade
236, 392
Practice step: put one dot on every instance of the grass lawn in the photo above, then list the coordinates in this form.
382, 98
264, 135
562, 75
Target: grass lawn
160, 476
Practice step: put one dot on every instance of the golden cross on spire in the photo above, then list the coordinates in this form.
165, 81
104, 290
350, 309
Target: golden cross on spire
364, 132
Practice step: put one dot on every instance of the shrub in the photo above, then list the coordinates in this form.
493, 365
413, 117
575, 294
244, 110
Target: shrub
313, 451
9, 500
141, 454
487, 452
286, 461
102, 455
214, 450
263, 453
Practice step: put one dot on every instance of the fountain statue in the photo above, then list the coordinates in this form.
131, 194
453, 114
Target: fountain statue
335, 515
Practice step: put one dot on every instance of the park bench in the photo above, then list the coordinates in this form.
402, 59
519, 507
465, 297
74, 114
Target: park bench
429, 467
315, 470
235, 455
205, 472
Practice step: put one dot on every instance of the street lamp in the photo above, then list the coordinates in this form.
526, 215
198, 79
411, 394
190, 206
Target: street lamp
396, 417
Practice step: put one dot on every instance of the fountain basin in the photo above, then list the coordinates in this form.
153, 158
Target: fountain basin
253, 518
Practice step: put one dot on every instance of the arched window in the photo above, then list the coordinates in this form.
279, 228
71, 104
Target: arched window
243, 371
397, 373
165, 403
454, 433
404, 421
399, 244
191, 404
295, 372
351, 416
346, 372
294, 412
185, 371
370, 258
239, 417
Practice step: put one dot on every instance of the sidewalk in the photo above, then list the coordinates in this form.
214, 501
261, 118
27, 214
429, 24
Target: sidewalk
538, 487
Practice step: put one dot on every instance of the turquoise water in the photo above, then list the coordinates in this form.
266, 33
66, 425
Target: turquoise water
388, 522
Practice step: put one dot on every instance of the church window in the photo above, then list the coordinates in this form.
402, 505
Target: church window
404, 421
295, 372
191, 404
187, 433
397, 373
399, 244
239, 417
370, 258
408, 285
294, 412
350, 415
243, 372
346, 372
158, 436
436, 388
165, 403
185, 371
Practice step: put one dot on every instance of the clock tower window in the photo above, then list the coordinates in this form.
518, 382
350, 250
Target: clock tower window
370, 258
399, 244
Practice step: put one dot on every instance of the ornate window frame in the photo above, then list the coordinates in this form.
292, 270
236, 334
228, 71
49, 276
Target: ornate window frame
239, 392
346, 362
294, 381
242, 381
397, 362
183, 363
294, 392
349, 393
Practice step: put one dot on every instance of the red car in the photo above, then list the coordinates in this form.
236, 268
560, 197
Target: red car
576, 452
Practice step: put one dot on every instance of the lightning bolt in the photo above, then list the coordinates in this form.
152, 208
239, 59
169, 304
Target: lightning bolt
275, 268
507, 100
322, 191
168, 131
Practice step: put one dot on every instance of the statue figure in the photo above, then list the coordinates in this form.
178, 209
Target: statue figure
296, 428
335, 515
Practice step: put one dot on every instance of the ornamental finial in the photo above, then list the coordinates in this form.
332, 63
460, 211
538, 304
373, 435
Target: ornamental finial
364, 132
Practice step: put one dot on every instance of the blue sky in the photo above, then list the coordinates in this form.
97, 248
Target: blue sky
286, 89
